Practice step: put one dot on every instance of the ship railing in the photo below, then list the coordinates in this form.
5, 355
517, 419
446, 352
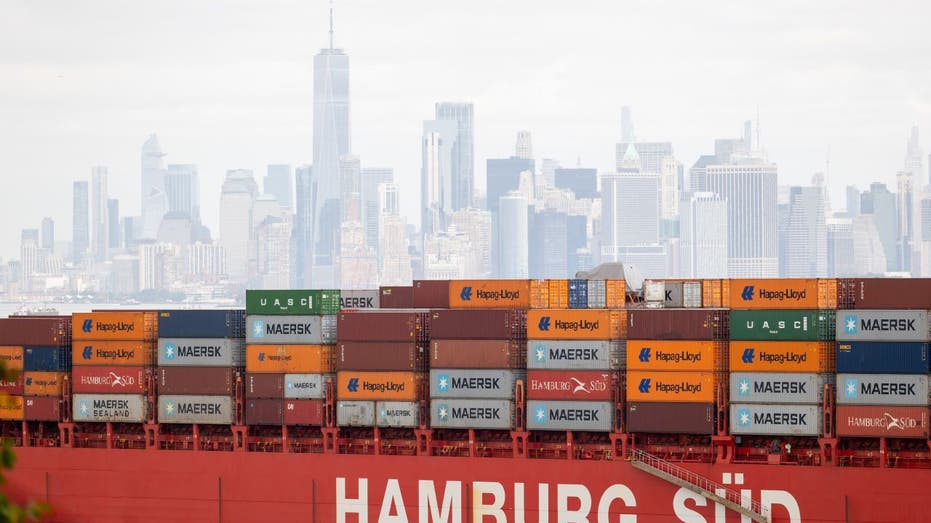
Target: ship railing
699, 482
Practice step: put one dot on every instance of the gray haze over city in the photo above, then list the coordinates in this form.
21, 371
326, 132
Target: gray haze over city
835, 88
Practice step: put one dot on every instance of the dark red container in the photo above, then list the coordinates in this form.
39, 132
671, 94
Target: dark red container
396, 297
13, 388
478, 354
215, 381
264, 386
678, 324
592, 385
108, 380
670, 418
431, 294
45, 331
303, 412
264, 412
42, 408
383, 326
479, 324
884, 293
878, 421
388, 356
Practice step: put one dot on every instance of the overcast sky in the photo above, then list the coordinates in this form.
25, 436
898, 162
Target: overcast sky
229, 85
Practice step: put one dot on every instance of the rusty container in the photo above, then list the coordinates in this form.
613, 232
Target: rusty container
387, 356
212, 381
678, 324
477, 354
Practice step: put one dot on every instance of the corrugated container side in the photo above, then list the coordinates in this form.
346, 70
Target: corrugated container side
883, 325
12, 357
200, 409
474, 384
712, 294
776, 420
303, 412
489, 294
882, 421
783, 293
206, 323
589, 416
396, 297
291, 302
42, 408
355, 413
291, 329
616, 294
115, 325
576, 354
128, 353
909, 390
431, 294
691, 294
597, 294
26, 330
578, 294
559, 294
589, 324
264, 412
686, 355
674, 387
782, 356
471, 324
210, 381
388, 356
882, 357
800, 388
41, 383
383, 326
654, 291
121, 408
398, 414
298, 359
671, 418
264, 386
884, 293
471, 414
588, 385
367, 386
783, 325
49, 359
108, 380
202, 352
539, 294
477, 354
677, 324
14, 387
359, 299
304, 386
11, 408
673, 295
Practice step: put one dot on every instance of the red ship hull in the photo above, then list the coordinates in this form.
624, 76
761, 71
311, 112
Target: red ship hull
140, 486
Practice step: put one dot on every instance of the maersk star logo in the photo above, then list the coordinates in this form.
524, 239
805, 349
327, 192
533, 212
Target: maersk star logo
743, 387
850, 324
169, 408
442, 383
383, 413
540, 353
443, 411
743, 418
83, 408
169, 351
850, 387
258, 328
541, 414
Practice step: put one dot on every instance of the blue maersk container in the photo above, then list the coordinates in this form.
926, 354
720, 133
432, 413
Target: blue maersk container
864, 357
578, 294
225, 323
47, 359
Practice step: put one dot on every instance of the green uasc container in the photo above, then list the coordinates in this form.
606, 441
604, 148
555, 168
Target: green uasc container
782, 325
292, 301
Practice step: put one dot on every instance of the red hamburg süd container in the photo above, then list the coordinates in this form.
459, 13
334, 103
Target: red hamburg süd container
264, 386
477, 354
106, 380
383, 326
211, 381
42, 408
13, 388
431, 294
879, 421
884, 293
592, 385
475, 324
303, 412
264, 412
45, 331
678, 324
388, 356
396, 297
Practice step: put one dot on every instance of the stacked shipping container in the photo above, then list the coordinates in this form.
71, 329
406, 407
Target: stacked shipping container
38, 351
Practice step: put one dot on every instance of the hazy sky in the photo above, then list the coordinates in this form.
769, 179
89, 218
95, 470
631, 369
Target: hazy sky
229, 85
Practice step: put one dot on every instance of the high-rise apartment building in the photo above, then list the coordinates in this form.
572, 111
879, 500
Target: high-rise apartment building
237, 197
80, 237
154, 197
278, 183
463, 164
100, 226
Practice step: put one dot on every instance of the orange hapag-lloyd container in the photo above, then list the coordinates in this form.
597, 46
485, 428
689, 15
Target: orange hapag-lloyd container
11, 407
559, 294
578, 324
114, 325
677, 387
616, 294
12, 356
711, 294
783, 293
104, 353
43, 383
489, 294
294, 359
782, 356
677, 355
392, 386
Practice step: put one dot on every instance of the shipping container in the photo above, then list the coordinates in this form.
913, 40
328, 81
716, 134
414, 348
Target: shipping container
675, 387
297, 359
712, 294
304, 386
677, 324
129, 353
471, 414
430, 294
12, 357
776, 420
539, 294
359, 299
489, 294
473, 324
49, 359
264, 386
205, 323
291, 329
355, 413
591, 385
45, 331
884, 293
597, 294
264, 412
307, 412
395, 386
576, 354
590, 324
588, 416
199, 409
395, 356
396, 297
201, 352
292, 302
198, 381
800, 388
688, 355
403, 414
907, 390
783, 293
477, 354
473, 384
882, 325
673, 293
881, 422
42, 383
616, 294
671, 418
11, 408
578, 294
115, 325
559, 294
108, 380
882, 357
42, 408
384, 326
782, 356
15, 386
782, 325
122, 408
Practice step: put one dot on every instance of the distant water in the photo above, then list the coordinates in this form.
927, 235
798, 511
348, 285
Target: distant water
65, 309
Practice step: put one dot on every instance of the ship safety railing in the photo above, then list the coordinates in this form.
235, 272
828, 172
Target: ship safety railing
702, 485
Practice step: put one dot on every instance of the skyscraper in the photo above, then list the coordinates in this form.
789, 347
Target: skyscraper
907, 245
880, 203
350, 192
627, 125
513, 236
278, 183
302, 233
629, 210
154, 199
100, 227
651, 154
503, 176
29, 255
182, 188
583, 182
115, 236
48, 234
372, 177
462, 167
524, 148
806, 244
236, 200
704, 236
439, 147
80, 236
394, 258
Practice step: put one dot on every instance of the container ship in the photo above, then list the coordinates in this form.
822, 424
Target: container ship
778, 400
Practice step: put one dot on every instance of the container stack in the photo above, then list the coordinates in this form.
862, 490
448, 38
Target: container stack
380, 361
674, 294
781, 335
113, 355
290, 338
38, 350
201, 354
676, 359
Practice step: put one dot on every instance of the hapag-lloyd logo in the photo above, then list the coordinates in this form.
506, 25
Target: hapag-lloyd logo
116, 326
489, 294
786, 294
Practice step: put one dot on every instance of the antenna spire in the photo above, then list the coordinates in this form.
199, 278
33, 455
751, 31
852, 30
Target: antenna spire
331, 24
